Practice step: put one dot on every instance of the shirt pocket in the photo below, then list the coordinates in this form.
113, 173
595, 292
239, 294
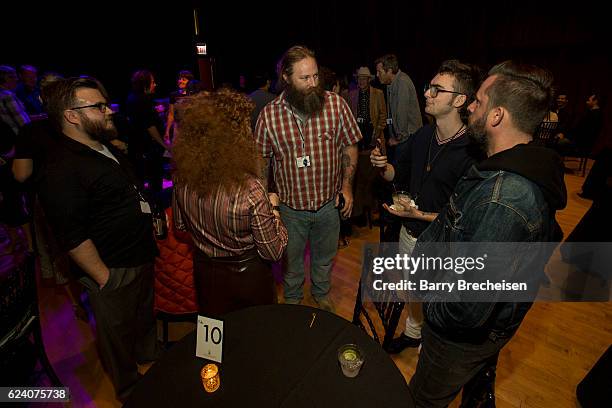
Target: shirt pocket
453, 227
327, 135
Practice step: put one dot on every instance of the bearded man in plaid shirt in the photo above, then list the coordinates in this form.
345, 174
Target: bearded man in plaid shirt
311, 136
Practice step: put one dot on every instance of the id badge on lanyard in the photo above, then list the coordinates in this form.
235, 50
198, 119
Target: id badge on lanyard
302, 161
144, 205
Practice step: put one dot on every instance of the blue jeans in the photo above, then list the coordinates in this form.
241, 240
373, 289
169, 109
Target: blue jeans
321, 228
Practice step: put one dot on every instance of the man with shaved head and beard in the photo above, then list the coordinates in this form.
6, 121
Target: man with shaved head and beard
101, 219
311, 136
510, 197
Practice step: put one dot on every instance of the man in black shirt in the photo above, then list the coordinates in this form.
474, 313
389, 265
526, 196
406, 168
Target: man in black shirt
582, 136
429, 165
564, 114
101, 219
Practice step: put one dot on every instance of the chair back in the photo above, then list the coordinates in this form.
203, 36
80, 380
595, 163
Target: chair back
19, 316
545, 133
18, 304
377, 317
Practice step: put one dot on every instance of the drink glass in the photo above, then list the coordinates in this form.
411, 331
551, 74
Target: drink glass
401, 199
351, 359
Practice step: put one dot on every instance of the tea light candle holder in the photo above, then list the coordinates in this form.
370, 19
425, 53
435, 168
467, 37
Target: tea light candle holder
210, 377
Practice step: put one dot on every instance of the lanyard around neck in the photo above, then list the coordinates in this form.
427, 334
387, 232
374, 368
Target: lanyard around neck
298, 127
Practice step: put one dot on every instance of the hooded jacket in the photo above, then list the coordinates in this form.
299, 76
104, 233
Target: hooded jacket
511, 196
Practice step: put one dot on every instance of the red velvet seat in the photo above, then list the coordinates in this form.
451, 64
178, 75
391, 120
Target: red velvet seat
175, 297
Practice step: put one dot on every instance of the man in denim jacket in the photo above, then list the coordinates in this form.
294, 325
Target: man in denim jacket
511, 196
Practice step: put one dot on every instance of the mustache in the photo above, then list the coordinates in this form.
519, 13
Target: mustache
309, 100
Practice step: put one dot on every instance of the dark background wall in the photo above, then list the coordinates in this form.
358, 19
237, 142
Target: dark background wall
111, 39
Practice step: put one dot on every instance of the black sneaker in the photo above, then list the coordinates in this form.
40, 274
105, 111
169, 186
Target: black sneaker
398, 344
343, 242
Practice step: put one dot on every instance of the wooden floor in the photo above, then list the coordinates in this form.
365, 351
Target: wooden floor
555, 347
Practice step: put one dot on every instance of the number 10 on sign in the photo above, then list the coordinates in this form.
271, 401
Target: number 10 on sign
209, 343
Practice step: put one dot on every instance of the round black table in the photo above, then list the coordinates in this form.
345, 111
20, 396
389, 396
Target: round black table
273, 358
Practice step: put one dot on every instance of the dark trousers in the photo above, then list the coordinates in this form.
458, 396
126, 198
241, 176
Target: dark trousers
444, 367
231, 283
149, 168
595, 183
154, 171
126, 329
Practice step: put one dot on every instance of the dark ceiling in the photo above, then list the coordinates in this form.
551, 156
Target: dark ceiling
111, 39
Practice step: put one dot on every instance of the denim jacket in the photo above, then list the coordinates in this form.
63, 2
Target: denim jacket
496, 206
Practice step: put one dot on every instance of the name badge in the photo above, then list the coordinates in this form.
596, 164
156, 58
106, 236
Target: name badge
302, 161
360, 120
389, 121
145, 207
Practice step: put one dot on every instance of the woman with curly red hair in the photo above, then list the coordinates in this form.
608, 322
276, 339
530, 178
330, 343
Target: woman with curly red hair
220, 199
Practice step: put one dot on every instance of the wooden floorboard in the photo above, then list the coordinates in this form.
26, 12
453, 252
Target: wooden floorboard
555, 347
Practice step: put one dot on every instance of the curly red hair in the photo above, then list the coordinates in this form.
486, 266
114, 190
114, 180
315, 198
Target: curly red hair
214, 146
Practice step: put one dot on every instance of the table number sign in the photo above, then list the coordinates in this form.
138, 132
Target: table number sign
209, 343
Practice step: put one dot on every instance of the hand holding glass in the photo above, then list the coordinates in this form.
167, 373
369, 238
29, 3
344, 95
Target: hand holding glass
402, 201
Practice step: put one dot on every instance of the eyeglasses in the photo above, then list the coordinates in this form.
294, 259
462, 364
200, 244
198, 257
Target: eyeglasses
434, 90
101, 106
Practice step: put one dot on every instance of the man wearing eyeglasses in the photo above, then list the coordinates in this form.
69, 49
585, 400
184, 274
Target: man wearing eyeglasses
99, 216
403, 111
509, 197
429, 166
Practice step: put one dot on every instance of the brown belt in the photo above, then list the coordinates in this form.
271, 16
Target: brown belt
238, 259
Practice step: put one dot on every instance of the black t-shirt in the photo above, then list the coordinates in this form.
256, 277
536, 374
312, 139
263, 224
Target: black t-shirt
7, 138
431, 189
140, 110
87, 195
586, 131
35, 140
176, 97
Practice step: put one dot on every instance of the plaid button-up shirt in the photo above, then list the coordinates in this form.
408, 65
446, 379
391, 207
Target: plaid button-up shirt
281, 135
230, 223
12, 111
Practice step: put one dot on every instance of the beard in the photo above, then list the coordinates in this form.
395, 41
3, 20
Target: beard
477, 132
308, 101
99, 130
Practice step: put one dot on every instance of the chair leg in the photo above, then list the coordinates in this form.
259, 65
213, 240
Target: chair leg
42, 354
37, 327
165, 331
397, 308
583, 165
